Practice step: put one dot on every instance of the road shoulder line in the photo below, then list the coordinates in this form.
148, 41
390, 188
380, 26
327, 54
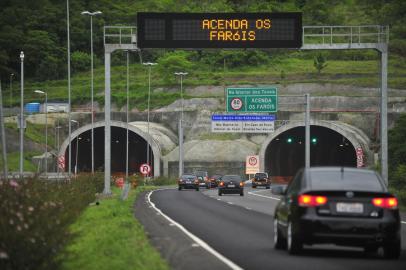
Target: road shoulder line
199, 241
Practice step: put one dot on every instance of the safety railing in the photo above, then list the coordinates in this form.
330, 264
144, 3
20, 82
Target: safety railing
120, 35
329, 35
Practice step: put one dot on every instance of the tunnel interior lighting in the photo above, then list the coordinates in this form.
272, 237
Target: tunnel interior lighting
314, 140
289, 140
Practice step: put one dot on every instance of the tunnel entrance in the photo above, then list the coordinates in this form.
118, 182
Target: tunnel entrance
285, 154
81, 151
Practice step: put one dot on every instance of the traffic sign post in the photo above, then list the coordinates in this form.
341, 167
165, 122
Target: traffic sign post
242, 123
252, 165
145, 169
255, 100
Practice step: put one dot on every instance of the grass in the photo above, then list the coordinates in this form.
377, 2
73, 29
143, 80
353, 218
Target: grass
109, 237
295, 68
13, 161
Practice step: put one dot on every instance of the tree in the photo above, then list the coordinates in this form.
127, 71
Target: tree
319, 63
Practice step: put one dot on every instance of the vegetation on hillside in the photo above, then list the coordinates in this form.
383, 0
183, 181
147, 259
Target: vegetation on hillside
39, 29
397, 158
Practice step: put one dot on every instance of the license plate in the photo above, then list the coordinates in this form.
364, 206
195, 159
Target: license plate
188, 182
231, 185
350, 208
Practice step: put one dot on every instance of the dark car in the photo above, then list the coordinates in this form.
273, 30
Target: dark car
342, 206
214, 180
203, 177
188, 181
231, 184
261, 179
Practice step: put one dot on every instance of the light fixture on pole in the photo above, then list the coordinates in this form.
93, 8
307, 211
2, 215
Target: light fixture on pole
181, 74
149, 65
77, 147
46, 128
91, 14
21, 120
11, 89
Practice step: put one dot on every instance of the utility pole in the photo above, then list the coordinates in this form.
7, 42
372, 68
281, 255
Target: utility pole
11, 89
149, 64
22, 118
69, 93
3, 136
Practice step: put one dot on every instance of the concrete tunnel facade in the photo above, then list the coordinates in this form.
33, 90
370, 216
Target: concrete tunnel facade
139, 136
335, 144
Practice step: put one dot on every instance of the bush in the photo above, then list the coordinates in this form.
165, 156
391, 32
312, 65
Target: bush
80, 61
35, 216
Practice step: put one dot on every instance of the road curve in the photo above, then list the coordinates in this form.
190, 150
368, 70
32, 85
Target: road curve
241, 229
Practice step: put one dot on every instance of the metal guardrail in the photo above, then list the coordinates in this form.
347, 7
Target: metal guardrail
329, 35
120, 35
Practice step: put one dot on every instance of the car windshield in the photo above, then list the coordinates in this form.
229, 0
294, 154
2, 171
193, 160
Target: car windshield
188, 177
260, 175
227, 178
201, 173
347, 180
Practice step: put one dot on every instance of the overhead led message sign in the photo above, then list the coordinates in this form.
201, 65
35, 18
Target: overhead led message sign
219, 30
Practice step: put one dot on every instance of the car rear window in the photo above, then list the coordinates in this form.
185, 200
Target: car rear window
201, 173
260, 175
231, 178
188, 177
348, 180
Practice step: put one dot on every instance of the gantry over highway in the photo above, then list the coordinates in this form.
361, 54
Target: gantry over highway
178, 30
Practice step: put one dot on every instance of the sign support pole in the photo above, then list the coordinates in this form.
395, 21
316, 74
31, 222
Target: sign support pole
307, 131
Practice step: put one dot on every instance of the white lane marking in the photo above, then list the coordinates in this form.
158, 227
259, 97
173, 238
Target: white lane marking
219, 199
196, 239
230, 203
248, 208
259, 195
404, 222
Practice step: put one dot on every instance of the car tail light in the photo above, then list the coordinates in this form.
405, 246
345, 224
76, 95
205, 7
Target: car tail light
221, 184
241, 184
311, 200
390, 203
196, 181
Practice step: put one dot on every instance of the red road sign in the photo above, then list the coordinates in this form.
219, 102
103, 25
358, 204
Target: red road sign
145, 169
236, 104
61, 162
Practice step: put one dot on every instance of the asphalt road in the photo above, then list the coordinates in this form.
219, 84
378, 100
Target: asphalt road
241, 230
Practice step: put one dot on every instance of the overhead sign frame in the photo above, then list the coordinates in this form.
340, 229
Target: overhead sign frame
219, 30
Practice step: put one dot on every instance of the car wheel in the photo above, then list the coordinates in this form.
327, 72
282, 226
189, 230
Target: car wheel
392, 250
294, 245
277, 236
197, 189
254, 186
220, 194
242, 193
179, 188
268, 187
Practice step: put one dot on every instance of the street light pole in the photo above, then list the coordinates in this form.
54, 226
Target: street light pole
127, 119
3, 137
22, 118
46, 128
69, 92
149, 65
11, 89
181, 74
91, 14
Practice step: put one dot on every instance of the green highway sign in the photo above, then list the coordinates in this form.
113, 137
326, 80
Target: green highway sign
255, 100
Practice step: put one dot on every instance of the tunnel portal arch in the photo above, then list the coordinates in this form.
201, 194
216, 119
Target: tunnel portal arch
348, 138
133, 131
